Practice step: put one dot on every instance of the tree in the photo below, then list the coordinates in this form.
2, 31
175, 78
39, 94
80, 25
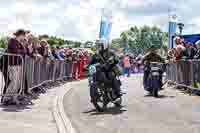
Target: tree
141, 39
55, 41
77, 44
124, 38
116, 44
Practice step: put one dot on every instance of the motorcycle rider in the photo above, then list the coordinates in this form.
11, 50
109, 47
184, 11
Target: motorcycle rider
151, 56
103, 55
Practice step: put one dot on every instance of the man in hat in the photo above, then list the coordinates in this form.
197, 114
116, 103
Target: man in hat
44, 48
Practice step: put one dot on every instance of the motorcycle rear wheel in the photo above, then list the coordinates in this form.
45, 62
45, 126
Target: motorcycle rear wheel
155, 93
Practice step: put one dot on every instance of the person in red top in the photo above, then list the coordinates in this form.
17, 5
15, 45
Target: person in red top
127, 65
81, 65
75, 66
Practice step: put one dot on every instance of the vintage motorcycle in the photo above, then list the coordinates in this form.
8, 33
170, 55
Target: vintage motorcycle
101, 92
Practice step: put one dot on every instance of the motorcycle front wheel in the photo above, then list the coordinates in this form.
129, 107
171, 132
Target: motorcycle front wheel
100, 102
118, 103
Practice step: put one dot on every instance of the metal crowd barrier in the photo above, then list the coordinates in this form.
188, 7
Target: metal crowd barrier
40, 71
20, 74
12, 74
184, 73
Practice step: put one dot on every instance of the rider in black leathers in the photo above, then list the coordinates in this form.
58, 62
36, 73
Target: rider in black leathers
151, 56
103, 55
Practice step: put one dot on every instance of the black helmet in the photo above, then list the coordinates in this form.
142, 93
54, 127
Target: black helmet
153, 48
101, 44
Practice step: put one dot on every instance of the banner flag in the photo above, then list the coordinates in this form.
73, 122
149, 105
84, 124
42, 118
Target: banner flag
172, 29
105, 27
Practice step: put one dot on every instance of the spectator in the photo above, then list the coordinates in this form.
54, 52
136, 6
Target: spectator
30, 46
68, 56
82, 59
191, 50
50, 55
44, 48
171, 56
75, 60
37, 49
197, 56
14, 69
62, 53
180, 49
54, 53
58, 52
134, 65
126, 64
138, 62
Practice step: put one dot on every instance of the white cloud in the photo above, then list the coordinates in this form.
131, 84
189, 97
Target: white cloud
80, 19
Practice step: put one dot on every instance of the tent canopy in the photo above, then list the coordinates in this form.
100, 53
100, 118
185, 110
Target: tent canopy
193, 38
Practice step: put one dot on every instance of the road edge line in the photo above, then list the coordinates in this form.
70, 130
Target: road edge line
63, 123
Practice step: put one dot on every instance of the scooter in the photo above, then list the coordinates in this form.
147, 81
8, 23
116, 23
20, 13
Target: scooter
153, 83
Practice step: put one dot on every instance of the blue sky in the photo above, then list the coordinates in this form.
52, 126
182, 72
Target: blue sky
79, 19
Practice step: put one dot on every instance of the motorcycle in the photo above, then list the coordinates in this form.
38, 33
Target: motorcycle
101, 92
153, 84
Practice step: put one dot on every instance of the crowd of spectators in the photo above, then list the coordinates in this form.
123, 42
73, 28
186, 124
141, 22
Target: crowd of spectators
25, 44
184, 50
131, 64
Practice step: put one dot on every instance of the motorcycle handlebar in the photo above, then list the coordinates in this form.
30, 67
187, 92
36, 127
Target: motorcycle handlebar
158, 63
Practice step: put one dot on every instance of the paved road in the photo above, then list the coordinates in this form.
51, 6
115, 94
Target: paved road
173, 113
36, 118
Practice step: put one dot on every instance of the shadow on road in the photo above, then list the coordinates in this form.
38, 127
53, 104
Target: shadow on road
14, 108
111, 111
26, 101
160, 96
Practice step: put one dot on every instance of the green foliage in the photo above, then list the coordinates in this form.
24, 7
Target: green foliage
116, 43
52, 40
138, 40
55, 41
3, 42
77, 44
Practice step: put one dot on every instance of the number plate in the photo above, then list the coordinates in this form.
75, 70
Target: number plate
155, 68
155, 74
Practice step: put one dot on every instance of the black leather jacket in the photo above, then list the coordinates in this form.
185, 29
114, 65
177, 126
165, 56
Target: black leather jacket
152, 57
103, 57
